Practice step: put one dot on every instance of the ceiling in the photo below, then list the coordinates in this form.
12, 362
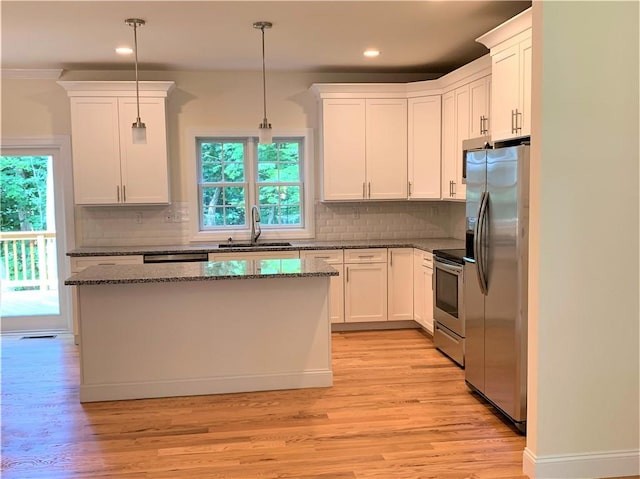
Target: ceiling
319, 36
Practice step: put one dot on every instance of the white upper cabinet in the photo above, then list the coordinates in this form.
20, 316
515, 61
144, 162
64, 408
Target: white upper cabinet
396, 141
364, 145
343, 144
424, 140
456, 122
386, 149
479, 102
108, 168
510, 46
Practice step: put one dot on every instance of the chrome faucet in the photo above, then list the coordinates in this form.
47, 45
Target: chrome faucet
255, 224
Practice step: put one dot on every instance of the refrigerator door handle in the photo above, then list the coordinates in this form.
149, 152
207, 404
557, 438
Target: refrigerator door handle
476, 241
479, 243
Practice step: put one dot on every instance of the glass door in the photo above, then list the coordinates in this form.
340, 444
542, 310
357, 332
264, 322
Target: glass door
32, 246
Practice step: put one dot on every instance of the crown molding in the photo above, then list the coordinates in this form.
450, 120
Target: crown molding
26, 74
117, 88
507, 30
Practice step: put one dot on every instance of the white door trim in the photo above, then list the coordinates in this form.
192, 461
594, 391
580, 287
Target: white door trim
59, 147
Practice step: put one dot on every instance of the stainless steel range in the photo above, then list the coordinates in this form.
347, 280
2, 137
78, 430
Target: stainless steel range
448, 303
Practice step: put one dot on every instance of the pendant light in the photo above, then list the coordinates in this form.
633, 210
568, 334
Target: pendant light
138, 129
265, 135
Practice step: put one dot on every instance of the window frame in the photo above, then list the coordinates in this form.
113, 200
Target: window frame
257, 184
223, 184
305, 231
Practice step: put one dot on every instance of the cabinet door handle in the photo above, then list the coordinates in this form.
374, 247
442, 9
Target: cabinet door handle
391, 259
117, 193
514, 128
518, 123
124, 193
484, 125
369, 189
364, 190
409, 188
347, 274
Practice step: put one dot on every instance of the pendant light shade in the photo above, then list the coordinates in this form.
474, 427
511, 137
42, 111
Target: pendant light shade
265, 135
138, 129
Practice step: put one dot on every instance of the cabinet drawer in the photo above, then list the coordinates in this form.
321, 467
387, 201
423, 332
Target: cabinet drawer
369, 255
448, 344
80, 263
331, 256
427, 259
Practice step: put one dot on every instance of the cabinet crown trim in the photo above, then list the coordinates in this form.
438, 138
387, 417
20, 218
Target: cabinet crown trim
474, 70
359, 90
507, 30
120, 88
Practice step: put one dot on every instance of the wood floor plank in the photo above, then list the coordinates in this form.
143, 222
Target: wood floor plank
398, 409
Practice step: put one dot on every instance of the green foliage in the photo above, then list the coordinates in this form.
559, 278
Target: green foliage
222, 162
23, 192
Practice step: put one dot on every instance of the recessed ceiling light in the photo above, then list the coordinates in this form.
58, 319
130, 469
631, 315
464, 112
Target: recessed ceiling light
371, 53
124, 51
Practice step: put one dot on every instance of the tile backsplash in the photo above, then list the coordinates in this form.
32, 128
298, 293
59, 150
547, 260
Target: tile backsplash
160, 225
388, 220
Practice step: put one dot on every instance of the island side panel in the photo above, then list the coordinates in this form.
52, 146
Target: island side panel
203, 337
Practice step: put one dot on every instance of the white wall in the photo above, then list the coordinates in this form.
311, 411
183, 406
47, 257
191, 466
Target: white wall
584, 318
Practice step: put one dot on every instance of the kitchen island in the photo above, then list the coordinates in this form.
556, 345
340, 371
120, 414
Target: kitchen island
158, 330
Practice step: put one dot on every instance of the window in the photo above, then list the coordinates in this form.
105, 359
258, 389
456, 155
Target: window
223, 185
235, 172
279, 183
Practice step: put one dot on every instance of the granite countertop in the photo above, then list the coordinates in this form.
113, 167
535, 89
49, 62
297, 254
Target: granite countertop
202, 271
425, 244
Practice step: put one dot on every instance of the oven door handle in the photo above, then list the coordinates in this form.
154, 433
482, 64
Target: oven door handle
479, 243
451, 269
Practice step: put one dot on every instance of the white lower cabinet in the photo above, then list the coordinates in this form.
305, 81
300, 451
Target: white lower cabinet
335, 258
79, 263
400, 284
374, 284
235, 255
423, 289
365, 285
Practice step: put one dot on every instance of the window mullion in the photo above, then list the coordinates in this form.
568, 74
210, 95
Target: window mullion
251, 167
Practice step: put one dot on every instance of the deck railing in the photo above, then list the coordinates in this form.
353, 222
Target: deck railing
28, 260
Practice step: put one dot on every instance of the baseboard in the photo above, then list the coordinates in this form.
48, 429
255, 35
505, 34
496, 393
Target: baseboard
582, 466
374, 326
200, 386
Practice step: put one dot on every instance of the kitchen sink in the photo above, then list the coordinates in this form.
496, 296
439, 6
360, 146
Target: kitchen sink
253, 245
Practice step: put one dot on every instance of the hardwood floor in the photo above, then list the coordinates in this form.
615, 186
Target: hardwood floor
398, 410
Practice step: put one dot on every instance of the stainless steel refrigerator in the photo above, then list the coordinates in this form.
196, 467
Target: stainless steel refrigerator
495, 277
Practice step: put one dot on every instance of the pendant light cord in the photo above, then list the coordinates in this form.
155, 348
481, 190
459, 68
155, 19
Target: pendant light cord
135, 46
264, 81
